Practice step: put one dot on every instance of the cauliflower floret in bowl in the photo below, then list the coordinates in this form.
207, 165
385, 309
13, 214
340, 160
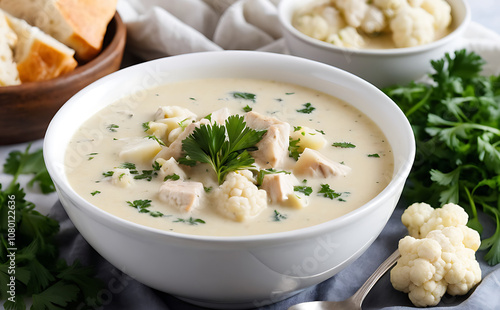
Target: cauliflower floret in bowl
239, 198
422, 31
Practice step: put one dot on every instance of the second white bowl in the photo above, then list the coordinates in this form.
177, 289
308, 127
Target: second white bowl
381, 67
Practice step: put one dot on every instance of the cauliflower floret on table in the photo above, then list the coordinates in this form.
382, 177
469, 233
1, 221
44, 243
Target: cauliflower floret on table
438, 256
412, 26
421, 218
441, 262
238, 197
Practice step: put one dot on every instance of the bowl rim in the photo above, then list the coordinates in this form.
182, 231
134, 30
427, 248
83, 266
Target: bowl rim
287, 26
116, 43
50, 145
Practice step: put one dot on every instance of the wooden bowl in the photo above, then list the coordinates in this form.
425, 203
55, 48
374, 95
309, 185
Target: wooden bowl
26, 109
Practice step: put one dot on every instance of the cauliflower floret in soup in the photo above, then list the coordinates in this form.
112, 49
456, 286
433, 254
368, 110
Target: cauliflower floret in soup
238, 198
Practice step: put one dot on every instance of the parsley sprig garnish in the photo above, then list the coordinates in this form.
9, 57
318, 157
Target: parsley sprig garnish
225, 147
456, 121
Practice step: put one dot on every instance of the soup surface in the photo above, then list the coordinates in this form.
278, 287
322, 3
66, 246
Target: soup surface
127, 171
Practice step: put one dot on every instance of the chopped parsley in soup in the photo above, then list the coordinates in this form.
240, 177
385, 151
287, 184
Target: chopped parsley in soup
229, 157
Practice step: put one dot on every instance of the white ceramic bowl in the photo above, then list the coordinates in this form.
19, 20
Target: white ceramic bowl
381, 67
230, 272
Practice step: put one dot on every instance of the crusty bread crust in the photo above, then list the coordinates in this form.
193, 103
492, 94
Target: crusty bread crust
89, 20
44, 63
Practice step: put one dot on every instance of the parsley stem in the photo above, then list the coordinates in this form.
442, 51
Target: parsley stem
419, 104
15, 175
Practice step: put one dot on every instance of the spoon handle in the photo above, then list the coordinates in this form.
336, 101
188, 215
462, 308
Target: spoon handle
361, 293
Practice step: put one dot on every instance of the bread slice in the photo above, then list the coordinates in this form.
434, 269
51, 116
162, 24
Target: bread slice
80, 24
39, 56
8, 39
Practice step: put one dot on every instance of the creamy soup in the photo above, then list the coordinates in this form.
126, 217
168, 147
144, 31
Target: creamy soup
318, 158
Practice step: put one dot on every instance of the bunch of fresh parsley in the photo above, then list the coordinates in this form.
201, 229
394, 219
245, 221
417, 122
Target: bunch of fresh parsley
456, 122
49, 282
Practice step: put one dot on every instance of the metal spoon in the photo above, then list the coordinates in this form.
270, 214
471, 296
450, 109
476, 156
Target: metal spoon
354, 302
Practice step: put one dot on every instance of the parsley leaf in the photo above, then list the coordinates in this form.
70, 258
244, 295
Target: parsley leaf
225, 147
190, 221
172, 177
328, 192
244, 95
29, 163
306, 190
307, 109
293, 148
127, 165
278, 217
112, 127
344, 145
55, 296
140, 204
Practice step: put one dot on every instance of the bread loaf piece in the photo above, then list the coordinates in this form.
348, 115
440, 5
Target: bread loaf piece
8, 39
39, 56
80, 24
